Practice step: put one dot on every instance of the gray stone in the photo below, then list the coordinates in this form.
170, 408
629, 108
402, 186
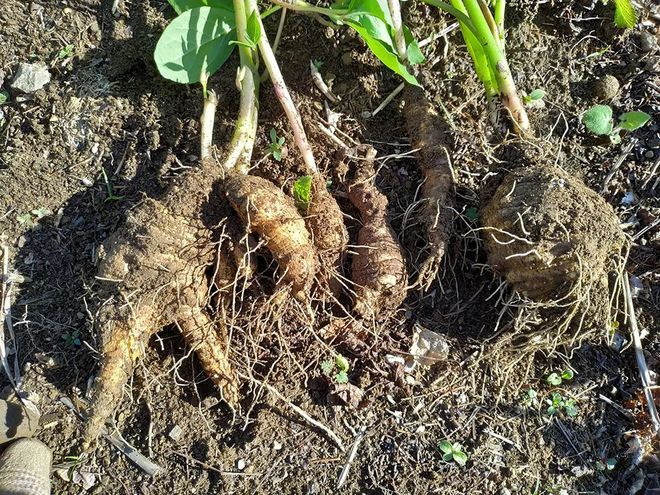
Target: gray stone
648, 42
175, 433
16, 421
25, 468
30, 77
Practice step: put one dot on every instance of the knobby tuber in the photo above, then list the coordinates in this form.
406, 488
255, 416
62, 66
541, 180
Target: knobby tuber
430, 137
545, 231
271, 214
152, 273
378, 267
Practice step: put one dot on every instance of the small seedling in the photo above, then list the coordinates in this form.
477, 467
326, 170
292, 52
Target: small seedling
30, 219
535, 96
276, 144
557, 379
302, 192
108, 187
339, 368
558, 402
453, 452
606, 464
4, 97
318, 64
530, 398
65, 52
72, 339
598, 119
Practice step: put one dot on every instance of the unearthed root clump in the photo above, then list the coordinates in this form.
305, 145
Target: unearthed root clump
549, 234
153, 273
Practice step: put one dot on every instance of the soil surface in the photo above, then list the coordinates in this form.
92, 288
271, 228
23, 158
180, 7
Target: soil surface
107, 131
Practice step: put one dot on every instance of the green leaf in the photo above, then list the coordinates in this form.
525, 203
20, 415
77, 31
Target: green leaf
552, 410
571, 410
447, 457
567, 374
615, 138
624, 14
254, 28
413, 53
460, 458
195, 44
327, 366
342, 362
341, 377
445, 446
631, 121
611, 463
4, 96
553, 379
385, 54
535, 95
598, 119
181, 6
472, 214
302, 194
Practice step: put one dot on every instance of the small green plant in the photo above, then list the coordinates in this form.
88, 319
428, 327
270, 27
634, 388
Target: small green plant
72, 339
530, 398
557, 379
65, 52
302, 192
30, 219
557, 403
598, 120
482, 27
4, 97
338, 369
109, 190
536, 95
276, 145
453, 452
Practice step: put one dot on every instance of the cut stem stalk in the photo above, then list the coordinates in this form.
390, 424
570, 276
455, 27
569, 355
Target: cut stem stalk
283, 95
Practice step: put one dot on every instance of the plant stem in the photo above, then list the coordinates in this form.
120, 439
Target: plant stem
397, 25
499, 8
242, 142
499, 65
302, 6
206, 124
284, 97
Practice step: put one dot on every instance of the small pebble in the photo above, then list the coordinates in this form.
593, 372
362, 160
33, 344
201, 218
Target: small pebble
648, 42
606, 88
175, 433
346, 58
277, 445
240, 464
649, 154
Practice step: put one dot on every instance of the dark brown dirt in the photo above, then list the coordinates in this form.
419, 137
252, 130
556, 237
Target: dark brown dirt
107, 108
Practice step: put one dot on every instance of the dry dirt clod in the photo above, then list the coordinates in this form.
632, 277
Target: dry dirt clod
546, 232
606, 88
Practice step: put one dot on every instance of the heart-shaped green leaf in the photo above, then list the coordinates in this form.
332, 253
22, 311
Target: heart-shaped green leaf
181, 6
195, 44
598, 119
631, 121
